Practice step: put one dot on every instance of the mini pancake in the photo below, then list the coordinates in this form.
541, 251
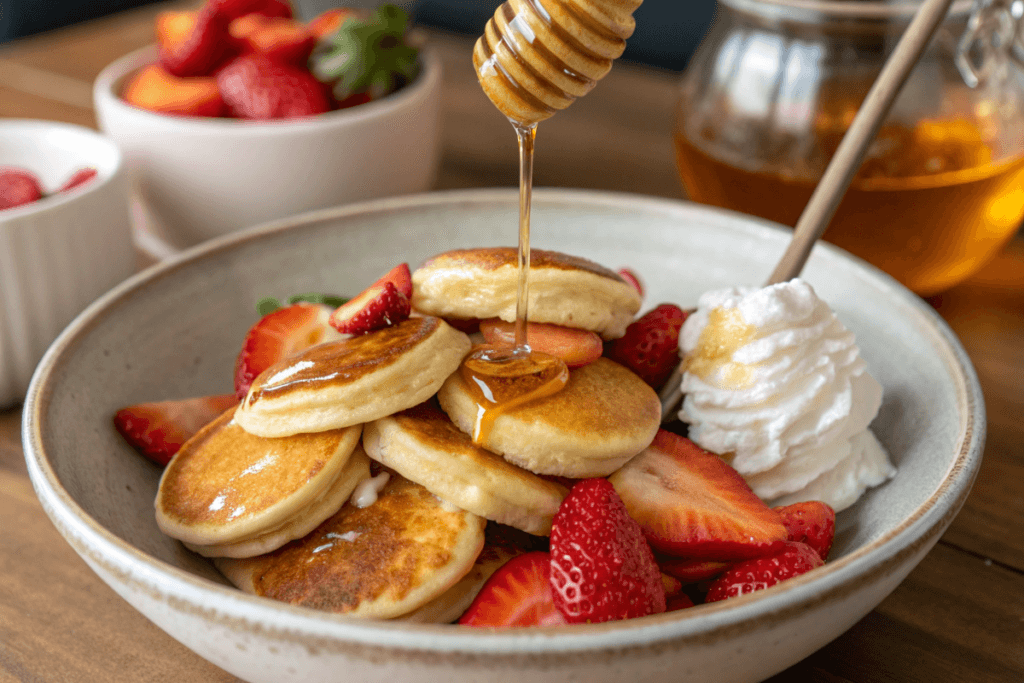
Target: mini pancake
499, 548
564, 290
601, 418
423, 445
377, 562
355, 380
225, 485
356, 470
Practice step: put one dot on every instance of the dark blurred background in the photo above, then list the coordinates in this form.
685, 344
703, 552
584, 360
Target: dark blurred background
667, 30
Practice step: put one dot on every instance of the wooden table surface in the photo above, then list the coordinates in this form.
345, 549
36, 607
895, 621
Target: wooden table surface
959, 616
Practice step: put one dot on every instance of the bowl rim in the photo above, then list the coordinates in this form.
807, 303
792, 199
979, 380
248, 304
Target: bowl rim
185, 592
56, 199
106, 96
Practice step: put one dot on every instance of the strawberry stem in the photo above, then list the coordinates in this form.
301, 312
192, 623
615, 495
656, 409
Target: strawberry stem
367, 55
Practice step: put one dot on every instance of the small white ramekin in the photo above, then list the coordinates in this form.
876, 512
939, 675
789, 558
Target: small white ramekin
60, 253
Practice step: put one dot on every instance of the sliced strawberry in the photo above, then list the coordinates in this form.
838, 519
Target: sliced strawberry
763, 572
329, 21
79, 177
172, 27
650, 347
812, 522
672, 585
518, 594
576, 347
155, 89
232, 9
193, 42
401, 278
689, 503
379, 306
279, 335
678, 602
691, 571
17, 187
257, 88
633, 279
601, 567
157, 430
280, 40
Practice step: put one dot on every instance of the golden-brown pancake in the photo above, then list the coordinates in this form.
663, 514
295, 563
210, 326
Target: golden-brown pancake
226, 485
499, 548
423, 445
564, 290
357, 469
603, 416
355, 380
380, 561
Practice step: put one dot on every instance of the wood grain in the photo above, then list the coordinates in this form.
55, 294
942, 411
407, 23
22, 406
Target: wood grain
959, 616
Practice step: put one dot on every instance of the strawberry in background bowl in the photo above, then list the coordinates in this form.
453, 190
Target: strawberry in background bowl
241, 114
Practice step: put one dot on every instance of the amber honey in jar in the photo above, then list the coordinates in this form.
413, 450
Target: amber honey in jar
773, 88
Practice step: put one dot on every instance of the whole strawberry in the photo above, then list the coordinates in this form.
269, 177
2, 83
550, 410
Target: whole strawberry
18, 187
650, 347
254, 87
754, 575
601, 567
812, 522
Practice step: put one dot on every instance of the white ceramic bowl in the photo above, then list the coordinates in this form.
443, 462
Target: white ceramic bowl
99, 492
61, 252
198, 178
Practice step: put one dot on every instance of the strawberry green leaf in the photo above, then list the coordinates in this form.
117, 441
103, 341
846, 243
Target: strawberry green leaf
267, 305
367, 55
314, 298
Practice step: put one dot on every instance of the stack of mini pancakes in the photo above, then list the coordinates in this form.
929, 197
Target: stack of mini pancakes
346, 480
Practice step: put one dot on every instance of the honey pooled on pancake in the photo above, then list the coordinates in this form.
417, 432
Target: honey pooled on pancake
603, 416
354, 380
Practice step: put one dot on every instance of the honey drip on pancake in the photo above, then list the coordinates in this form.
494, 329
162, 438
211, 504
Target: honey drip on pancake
499, 386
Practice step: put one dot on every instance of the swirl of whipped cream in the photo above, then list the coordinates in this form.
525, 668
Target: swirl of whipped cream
776, 384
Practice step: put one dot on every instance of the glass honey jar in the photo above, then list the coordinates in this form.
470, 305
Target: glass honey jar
775, 84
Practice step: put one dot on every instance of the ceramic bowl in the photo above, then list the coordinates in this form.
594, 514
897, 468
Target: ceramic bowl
198, 178
61, 252
100, 493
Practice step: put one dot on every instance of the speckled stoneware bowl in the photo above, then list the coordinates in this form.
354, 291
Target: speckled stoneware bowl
174, 331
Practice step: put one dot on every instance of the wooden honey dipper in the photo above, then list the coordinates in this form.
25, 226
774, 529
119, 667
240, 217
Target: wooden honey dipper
535, 59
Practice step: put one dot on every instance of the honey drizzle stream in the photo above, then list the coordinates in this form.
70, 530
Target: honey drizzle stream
527, 134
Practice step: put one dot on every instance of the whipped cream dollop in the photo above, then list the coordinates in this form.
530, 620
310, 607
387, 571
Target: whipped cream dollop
776, 385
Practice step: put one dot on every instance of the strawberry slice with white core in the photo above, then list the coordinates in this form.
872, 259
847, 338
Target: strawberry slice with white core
575, 347
379, 306
518, 594
157, 430
401, 278
690, 503
281, 334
